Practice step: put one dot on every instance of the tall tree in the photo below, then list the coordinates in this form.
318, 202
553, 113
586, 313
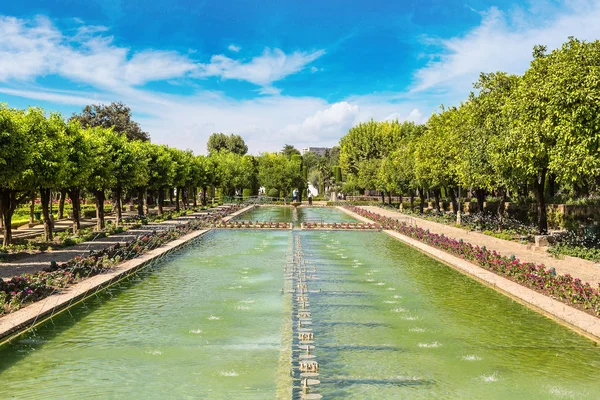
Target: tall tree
77, 168
15, 158
233, 143
48, 156
289, 150
116, 115
554, 115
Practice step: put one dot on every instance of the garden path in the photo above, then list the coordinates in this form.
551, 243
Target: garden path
587, 271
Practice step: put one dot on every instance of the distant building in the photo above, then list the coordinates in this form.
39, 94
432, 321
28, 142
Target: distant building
317, 150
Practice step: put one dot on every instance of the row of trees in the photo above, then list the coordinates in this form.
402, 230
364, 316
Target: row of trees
514, 133
102, 154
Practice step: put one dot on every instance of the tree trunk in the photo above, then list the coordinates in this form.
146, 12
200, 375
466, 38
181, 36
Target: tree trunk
412, 200
75, 201
422, 197
99, 194
118, 205
453, 200
32, 208
6, 199
183, 198
539, 186
140, 202
501, 206
551, 185
390, 197
8, 205
61, 204
45, 199
436, 197
146, 206
480, 195
171, 196
382, 197
161, 200
204, 200
195, 191
177, 200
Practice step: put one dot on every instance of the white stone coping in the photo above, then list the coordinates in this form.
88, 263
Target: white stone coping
577, 320
20, 321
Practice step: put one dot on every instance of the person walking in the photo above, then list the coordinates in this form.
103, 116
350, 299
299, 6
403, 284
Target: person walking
309, 198
295, 195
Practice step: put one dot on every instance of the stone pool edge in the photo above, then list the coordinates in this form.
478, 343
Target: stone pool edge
17, 323
583, 323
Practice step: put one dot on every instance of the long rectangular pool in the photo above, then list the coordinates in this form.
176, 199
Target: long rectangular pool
214, 320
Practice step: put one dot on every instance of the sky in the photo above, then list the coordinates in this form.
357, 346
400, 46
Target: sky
274, 72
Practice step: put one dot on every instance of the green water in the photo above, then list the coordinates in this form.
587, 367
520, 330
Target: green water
268, 213
205, 324
390, 323
322, 214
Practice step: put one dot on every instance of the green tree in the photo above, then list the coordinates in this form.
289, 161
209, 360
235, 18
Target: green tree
161, 172
15, 157
276, 171
77, 168
218, 142
104, 147
289, 150
48, 156
116, 115
554, 118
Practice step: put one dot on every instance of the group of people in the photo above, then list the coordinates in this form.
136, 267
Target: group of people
295, 197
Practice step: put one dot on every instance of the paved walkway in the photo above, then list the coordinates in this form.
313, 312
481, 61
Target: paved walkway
36, 262
585, 270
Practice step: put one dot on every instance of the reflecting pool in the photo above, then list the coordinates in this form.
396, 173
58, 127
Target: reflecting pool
211, 322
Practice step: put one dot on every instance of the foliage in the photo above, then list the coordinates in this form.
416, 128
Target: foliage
116, 115
218, 142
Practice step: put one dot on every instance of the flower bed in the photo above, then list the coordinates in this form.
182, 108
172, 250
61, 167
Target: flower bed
340, 225
537, 277
28, 288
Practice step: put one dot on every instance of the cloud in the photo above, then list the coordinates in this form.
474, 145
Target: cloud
504, 42
324, 126
34, 48
271, 66
234, 48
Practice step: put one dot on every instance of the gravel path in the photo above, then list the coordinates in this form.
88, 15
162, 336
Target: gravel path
585, 270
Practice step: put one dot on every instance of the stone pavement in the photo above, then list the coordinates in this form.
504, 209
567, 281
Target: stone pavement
587, 271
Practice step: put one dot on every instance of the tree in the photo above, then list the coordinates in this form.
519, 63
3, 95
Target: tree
77, 167
48, 155
15, 158
161, 172
130, 165
276, 171
554, 118
232, 171
289, 150
104, 147
484, 125
233, 143
116, 115
435, 154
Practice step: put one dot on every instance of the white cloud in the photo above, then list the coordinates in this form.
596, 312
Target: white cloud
504, 42
34, 48
234, 48
271, 66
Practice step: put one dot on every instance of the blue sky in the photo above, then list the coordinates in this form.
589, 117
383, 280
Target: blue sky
276, 72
